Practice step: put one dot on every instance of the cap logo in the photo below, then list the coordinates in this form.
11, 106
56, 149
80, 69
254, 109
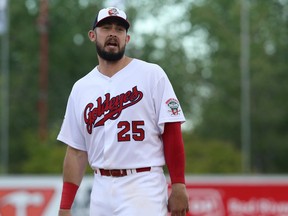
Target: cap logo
113, 12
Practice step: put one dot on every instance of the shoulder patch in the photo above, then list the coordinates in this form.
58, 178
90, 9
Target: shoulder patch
173, 106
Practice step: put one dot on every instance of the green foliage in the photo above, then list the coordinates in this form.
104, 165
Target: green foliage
43, 158
268, 73
211, 156
40, 157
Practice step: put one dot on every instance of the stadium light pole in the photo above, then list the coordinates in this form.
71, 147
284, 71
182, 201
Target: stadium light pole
245, 87
4, 32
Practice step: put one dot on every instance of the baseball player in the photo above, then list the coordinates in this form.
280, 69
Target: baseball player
123, 118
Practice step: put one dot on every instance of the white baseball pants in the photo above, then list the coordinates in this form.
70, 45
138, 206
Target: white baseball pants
138, 194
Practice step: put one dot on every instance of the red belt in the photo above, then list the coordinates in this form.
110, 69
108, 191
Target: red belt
121, 172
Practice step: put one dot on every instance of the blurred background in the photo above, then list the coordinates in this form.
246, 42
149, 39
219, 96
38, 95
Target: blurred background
227, 61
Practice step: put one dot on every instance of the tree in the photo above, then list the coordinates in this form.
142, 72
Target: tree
68, 23
221, 111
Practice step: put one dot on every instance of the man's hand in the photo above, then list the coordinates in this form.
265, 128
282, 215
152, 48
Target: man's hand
178, 202
64, 212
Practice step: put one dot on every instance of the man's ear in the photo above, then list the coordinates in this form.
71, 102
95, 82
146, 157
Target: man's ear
92, 35
127, 39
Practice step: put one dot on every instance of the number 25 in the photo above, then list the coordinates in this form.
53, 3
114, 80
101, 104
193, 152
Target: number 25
124, 135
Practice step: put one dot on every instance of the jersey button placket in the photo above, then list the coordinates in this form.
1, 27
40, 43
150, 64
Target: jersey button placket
106, 159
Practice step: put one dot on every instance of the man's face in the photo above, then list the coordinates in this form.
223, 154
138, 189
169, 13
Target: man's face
111, 39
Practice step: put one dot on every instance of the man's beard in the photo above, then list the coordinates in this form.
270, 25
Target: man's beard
109, 56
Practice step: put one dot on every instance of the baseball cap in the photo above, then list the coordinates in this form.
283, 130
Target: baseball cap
111, 12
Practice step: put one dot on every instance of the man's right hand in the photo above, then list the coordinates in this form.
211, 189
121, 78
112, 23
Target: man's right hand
64, 212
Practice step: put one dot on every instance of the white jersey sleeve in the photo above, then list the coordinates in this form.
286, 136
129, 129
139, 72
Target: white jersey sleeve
166, 103
71, 132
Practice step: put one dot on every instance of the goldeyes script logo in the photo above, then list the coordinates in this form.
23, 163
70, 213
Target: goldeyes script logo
110, 108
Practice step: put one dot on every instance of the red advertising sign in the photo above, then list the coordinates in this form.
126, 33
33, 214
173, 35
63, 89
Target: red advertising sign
208, 196
30, 195
24, 201
238, 198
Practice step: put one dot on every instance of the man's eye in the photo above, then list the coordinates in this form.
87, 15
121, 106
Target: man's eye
120, 29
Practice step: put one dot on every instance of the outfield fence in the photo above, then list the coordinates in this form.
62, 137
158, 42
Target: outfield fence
208, 195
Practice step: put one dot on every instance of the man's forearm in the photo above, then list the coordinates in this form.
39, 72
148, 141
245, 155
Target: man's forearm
74, 167
174, 152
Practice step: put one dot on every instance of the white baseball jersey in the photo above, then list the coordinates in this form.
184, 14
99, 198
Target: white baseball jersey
119, 120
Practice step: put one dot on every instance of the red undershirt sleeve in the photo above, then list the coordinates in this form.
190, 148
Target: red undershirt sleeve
174, 151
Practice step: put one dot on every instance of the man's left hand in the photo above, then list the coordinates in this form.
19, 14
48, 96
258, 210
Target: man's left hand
178, 202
